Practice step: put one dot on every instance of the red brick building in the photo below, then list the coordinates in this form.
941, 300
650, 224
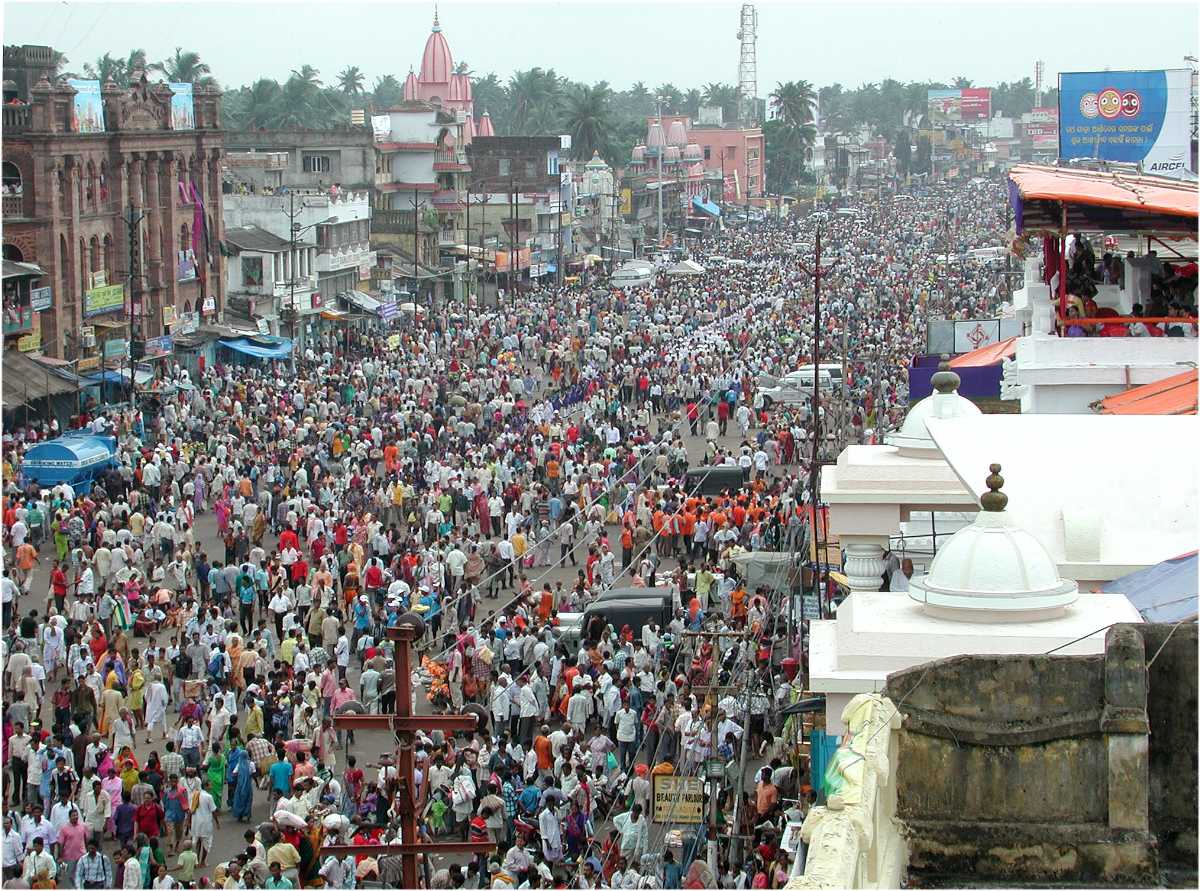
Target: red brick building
66, 196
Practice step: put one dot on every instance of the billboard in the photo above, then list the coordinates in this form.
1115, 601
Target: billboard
88, 116
957, 106
104, 299
183, 112
1127, 116
1041, 128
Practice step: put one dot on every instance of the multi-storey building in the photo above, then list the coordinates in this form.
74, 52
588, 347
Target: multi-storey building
77, 163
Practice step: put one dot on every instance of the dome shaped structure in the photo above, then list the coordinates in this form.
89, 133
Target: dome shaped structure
692, 152
913, 439
437, 64
485, 127
410, 87
670, 155
469, 128
639, 154
676, 134
993, 570
655, 138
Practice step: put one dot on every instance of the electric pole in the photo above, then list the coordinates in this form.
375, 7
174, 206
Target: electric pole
133, 223
814, 471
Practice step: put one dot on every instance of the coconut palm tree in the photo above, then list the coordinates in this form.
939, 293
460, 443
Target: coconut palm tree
262, 108
531, 93
350, 80
962, 83
587, 116
184, 67
107, 67
724, 96
793, 102
463, 68
691, 102
387, 90
308, 76
135, 60
671, 98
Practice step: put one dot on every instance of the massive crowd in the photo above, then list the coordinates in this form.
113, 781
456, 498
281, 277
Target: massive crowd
178, 639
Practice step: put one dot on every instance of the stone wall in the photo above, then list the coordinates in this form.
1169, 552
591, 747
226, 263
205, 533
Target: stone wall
1173, 706
1036, 769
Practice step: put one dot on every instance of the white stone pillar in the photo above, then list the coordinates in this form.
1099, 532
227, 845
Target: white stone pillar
864, 563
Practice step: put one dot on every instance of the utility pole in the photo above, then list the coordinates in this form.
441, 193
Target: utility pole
292, 272
661, 149
416, 203
814, 470
133, 223
512, 233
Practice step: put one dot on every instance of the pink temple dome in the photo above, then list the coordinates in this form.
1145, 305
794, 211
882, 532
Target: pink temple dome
456, 93
464, 83
671, 155
469, 129
639, 154
410, 87
692, 152
655, 137
485, 126
677, 135
437, 64
696, 170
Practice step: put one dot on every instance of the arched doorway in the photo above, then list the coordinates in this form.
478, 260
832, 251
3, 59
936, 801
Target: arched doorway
13, 253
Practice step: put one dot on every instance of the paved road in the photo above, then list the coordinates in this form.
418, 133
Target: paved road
369, 745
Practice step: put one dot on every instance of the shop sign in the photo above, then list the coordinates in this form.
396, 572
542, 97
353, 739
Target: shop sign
87, 363
317, 301
41, 299
168, 313
116, 346
17, 319
210, 304
364, 272
30, 342
159, 346
187, 322
677, 799
103, 299
98, 279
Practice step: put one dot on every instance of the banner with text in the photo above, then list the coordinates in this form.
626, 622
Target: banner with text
1127, 116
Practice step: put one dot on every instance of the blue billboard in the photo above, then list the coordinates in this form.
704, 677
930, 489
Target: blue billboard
1127, 116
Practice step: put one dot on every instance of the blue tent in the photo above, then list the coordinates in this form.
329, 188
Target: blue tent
707, 206
275, 348
1162, 593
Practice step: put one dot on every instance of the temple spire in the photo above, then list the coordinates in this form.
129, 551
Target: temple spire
436, 25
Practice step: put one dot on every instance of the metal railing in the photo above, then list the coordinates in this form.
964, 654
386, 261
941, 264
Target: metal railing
393, 221
14, 205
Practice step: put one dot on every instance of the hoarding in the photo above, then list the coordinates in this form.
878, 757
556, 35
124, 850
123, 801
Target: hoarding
88, 108
40, 299
1042, 128
677, 799
1127, 116
957, 106
183, 111
109, 298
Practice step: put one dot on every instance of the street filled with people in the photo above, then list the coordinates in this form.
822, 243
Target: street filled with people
562, 496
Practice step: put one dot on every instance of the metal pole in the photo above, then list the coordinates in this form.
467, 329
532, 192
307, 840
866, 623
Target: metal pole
661, 149
292, 272
416, 272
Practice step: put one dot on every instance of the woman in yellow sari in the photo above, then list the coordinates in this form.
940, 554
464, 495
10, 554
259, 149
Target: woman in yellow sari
137, 695
234, 648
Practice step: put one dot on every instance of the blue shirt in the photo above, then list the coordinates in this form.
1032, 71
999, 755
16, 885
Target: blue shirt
281, 776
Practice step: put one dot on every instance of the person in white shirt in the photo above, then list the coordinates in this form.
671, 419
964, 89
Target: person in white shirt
38, 863
14, 850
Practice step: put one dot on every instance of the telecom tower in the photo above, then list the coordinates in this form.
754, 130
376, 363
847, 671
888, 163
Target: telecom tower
748, 64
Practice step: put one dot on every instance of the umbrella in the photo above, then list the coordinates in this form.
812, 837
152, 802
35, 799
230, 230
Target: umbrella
1163, 593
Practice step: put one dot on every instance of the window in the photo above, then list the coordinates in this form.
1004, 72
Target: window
552, 164
504, 167
252, 271
752, 155
13, 184
708, 153
316, 163
530, 170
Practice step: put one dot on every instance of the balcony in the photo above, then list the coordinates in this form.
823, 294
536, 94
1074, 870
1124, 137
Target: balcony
396, 222
345, 257
14, 206
18, 118
449, 161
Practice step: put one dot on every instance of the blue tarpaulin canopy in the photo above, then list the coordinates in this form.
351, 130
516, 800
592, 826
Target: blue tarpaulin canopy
1162, 593
707, 206
264, 348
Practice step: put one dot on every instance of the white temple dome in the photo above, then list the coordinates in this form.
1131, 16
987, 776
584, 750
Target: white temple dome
993, 566
913, 436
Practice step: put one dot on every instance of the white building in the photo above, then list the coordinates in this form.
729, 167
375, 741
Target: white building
259, 277
1086, 507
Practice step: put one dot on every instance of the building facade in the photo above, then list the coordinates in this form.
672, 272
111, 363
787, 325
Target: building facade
315, 159
75, 166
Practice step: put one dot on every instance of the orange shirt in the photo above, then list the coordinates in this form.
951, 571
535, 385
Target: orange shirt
545, 752
657, 520
738, 602
26, 556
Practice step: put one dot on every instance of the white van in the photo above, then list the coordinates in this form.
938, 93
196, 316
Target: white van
796, 387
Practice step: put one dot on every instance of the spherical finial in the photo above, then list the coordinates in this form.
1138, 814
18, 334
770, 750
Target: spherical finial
994, 500
944, 380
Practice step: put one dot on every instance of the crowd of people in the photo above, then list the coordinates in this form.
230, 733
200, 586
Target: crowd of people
180, 639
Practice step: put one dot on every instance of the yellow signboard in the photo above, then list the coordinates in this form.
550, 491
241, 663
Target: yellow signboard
677, 799
87, 363
103, 299
168, 316
30, 342
626, 202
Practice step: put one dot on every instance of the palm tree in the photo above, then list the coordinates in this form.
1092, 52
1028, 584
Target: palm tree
463, 68
793, 102
530, 92
962, 83
489, 93
672, 99
262, 108
387, 90
107, 67
307, 75
135, 60
692, 100
350, 81
587, 116
184, 67
724, 96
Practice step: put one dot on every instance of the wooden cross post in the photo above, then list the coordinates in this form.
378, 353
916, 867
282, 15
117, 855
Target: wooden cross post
405, 724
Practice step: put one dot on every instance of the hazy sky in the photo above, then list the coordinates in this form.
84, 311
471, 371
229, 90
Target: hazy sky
682, 42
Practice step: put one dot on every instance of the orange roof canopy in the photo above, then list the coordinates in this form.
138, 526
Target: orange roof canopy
1175, 395
991, 354
1150, 194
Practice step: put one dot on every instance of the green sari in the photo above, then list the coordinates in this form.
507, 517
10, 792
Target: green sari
215, 771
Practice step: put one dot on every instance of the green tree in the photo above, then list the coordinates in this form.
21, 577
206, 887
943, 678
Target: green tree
490, 95
723, 96
532, 94
672, 99
903, 152
387, 91
350, 81
184, 67
587, 116
108, 67
793, 102
691, 102
962, 83
263, 105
